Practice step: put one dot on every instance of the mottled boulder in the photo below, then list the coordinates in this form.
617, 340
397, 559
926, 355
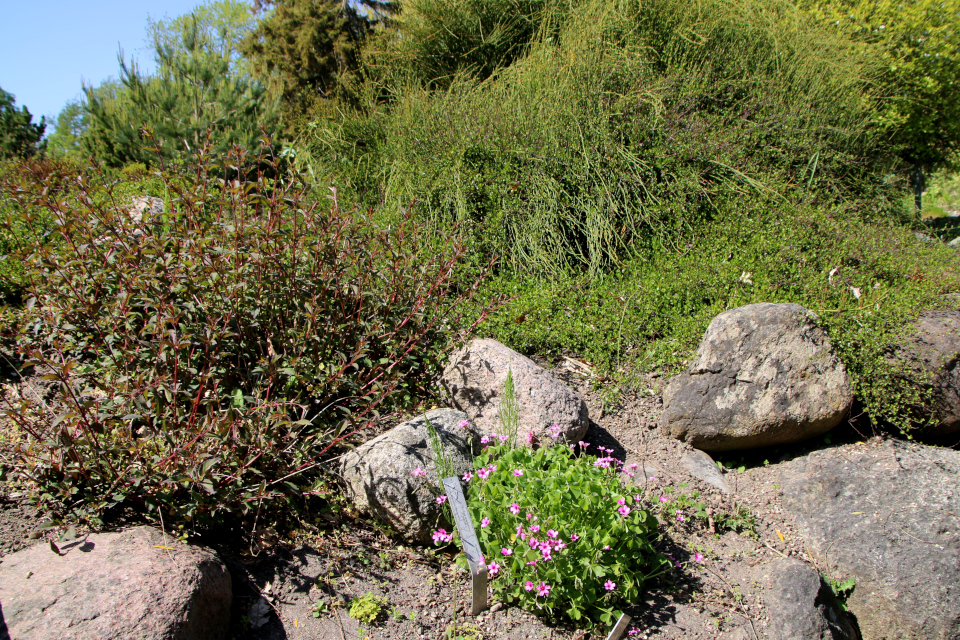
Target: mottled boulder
380, 473
884, 514
931, 354
764, 374
133, 584
475, 379
801, 606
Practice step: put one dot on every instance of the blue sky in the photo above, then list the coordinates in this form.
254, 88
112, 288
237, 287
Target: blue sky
49, 47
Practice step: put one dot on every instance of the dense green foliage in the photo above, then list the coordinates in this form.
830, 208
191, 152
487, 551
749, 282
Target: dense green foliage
20, 137
918, 43
197, 94
66, 139
304, 47
622, 125
208, 355
561, 533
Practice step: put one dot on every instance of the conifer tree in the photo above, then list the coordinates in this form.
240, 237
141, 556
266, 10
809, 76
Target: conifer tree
20, 137
197, 90
304, 48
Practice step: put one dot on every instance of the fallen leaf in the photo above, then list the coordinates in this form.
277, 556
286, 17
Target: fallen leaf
780, 535
160, 546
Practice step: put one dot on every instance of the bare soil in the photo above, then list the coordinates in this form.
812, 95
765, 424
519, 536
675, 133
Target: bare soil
302, 586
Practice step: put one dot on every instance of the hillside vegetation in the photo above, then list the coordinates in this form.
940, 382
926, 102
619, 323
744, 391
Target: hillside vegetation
595, 179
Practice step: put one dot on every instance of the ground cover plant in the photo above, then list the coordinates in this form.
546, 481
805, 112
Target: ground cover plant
561, 533
866, 282
205, 358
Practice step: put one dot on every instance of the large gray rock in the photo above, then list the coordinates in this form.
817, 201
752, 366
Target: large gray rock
801, 606
380, 479
931, 354
885, 514
764, 374
475, 379
136, 584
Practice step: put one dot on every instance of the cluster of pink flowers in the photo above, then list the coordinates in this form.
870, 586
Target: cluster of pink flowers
542, 591
418, 473
492, 438
546, 546
555, 431
484, 472
624, 509
441, 535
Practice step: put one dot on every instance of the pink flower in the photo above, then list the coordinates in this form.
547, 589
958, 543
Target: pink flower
609, 585
664, 499
606, 548
484, 439
636, 497
506, 552
534, 528
543, 589
528, 585
532, 563
485, 523
483, 473
441, 499
465, 424
574, 537
518, 472
553, 533
545, 552
632, 467
555, 431
584, 445
621, 501
532, 543
467, 477
441, 535
514, 508
493, 568
418, 472
561, 545
502, 438
530, 437
680, 517
624, 511
698, 557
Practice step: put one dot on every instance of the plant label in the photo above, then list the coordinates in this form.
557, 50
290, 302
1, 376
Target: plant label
620, 628
468, 537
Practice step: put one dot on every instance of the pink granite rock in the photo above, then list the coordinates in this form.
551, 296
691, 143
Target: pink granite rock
133, 584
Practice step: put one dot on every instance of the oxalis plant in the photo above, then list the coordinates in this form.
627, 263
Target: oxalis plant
560, 533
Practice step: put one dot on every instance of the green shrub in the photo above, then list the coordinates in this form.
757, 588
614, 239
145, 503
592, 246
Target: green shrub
208, 357
561, 533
